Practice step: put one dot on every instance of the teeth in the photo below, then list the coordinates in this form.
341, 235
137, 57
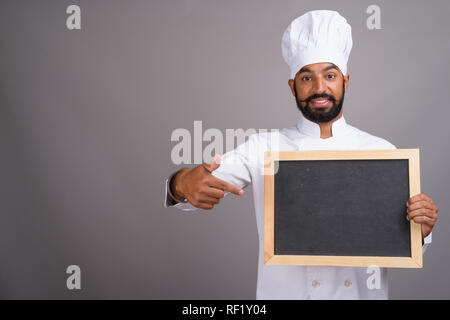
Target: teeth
320, 101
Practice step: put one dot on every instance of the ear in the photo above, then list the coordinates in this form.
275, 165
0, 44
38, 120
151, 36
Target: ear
346, 81
291, 84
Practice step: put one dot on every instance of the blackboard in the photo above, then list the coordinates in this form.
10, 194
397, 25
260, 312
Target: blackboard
342, 208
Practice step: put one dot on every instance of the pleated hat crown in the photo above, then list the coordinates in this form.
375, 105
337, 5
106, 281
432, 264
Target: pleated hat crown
315, 37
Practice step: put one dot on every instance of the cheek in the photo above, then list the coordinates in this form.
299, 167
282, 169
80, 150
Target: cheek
304, 91
337, 91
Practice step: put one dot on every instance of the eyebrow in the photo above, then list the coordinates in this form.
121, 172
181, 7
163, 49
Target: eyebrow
331, 66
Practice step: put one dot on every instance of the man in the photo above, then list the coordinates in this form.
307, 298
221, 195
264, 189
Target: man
316, 46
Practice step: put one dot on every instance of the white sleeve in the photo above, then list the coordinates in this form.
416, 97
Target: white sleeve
235, 166
427, 242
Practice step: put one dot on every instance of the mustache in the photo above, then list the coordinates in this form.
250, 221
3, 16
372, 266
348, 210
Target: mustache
318, 96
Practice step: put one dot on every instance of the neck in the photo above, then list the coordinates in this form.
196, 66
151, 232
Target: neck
326, 127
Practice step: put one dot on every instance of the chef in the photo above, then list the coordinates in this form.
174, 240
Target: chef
316, 47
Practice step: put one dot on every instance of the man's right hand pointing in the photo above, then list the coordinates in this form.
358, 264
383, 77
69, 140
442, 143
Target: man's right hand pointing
200, 187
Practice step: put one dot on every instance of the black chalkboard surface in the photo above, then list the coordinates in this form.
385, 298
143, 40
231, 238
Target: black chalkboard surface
342, 207
332, 208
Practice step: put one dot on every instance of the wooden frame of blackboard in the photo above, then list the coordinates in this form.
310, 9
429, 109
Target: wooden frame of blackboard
412, 155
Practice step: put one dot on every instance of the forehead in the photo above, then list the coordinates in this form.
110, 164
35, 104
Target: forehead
318, 67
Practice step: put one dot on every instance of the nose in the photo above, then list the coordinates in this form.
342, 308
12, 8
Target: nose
319, 85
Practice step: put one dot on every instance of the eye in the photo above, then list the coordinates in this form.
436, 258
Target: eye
306, 78
331, 76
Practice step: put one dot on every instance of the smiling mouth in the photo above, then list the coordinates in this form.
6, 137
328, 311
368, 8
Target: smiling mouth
320, 103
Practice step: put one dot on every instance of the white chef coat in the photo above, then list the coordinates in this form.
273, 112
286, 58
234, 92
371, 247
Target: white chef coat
243, 166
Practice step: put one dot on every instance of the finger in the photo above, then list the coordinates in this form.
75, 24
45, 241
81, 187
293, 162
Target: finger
429, 212
214, 164
418, 197
204, 206
209, 200
421, 204
225, 186
424, 220
215, 193
422, 212
202, 197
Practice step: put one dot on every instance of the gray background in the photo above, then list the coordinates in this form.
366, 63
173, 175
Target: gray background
86, 118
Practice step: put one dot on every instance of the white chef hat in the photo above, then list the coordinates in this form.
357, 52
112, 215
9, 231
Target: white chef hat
317, 36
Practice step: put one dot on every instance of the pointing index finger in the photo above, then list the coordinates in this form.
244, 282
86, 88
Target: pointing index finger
225, 186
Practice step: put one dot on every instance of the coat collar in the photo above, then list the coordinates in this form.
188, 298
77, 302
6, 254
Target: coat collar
312, 129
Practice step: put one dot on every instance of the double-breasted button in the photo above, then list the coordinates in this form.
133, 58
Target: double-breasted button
347, 283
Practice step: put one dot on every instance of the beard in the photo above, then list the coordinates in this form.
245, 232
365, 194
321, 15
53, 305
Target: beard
319, 115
